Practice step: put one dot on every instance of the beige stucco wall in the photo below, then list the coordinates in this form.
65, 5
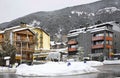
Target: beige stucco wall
46, 41
43, 40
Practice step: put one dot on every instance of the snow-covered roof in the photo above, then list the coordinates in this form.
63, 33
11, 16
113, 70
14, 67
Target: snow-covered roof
19, 29
34, 27
75, 32
98, 29
2, 32
111, 22
15, 27
15, 30
58, 43
94, 28
72, 35
52, 43
11, 28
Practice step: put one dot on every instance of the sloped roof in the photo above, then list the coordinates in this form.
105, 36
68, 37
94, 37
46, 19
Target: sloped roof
2, 32
20, 29
40, 29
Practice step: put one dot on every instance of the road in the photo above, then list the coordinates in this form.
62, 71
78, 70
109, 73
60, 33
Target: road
110, 69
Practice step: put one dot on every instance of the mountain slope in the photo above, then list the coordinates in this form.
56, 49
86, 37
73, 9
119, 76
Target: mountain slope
61, 21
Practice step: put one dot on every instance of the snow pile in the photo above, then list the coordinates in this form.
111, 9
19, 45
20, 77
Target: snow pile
7, 70
56, 69
111, 61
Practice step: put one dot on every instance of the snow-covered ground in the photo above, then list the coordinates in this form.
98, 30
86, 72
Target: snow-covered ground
58, 68
111, 62
7, 70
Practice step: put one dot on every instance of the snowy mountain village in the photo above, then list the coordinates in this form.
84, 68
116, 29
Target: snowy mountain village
26, 48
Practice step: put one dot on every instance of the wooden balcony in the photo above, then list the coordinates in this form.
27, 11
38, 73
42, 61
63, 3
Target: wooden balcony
23, 58
29, 59
97, 38
28, 49
72, 42
101, 46
109, 46
97, 46
25, 49
109, 38
72, 49
1, 40
102, 38
18, 57
24, 40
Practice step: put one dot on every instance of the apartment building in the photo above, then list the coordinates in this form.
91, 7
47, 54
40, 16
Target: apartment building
1, 37
42, 45
23, 39
98, 41
28, 40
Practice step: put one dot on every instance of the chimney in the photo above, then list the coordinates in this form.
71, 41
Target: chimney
23, 24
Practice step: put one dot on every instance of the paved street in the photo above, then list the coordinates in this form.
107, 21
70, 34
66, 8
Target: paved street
111, 69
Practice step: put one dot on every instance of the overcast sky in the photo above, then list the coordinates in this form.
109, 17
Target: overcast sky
12, 9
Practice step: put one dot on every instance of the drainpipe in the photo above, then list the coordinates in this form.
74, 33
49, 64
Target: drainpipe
104, 50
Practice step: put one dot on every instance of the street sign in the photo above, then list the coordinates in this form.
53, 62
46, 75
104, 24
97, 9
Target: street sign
7, 57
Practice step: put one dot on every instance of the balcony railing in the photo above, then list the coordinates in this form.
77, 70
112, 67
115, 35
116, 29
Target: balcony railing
25, 49
109, 46
101, 46
72, 49
72, 42
97, 38
109, 38
98, 46
25, 40
102, 38
1, 40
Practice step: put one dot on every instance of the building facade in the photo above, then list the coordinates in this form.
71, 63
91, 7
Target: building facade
98, 41
1, 37
42, 43
23, 39
27, 39
43, 39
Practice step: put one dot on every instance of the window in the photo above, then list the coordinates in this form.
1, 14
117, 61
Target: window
74, 46
100, 34
18, 37
115, 43
106, 42
110, 42
106, 34
110, 34
110, 50
99, 42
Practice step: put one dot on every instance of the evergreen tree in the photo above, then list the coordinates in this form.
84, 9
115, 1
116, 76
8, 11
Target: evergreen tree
7, 50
